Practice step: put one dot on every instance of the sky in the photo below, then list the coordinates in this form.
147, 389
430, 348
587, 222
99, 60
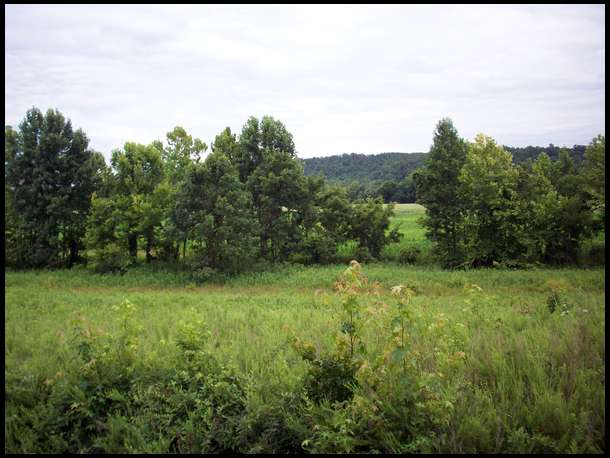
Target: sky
342, 78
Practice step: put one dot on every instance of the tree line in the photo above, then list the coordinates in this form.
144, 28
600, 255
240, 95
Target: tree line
247, 200
482, 208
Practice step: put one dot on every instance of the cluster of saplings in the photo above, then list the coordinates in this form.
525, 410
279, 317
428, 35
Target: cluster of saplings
482, 209
247, 201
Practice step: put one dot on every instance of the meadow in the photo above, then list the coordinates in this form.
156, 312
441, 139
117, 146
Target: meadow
489, 360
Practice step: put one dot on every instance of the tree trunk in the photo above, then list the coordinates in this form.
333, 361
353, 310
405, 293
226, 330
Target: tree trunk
74, 257
132, 240
149, 244
264, 245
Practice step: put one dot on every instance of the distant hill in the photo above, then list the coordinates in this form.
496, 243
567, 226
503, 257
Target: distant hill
366, 168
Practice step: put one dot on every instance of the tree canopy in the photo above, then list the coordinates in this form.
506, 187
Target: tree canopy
251, 199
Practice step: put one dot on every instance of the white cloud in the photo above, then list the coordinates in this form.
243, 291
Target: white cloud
343, 78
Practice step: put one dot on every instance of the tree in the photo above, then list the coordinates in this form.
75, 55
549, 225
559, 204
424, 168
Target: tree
181, 151
438, 189
594, 171
220, 208
256, 138
171, 225
335, 212
387, 191
491, 224
539, 208
369, 223
265, 158
137, 170
14, 242
51, 173
226, 143
279, 194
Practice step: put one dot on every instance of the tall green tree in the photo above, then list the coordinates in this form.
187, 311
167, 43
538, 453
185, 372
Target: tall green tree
265, 158
179, 153
51, 174
335, 211
224, 224
438, 189
594, 171
15, 247
492, 222
257, 137
370, 221
172, 225
539, 208
136, 172
279, 195
226, 143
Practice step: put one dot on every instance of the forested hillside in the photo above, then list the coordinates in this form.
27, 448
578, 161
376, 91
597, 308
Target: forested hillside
365, 167
388, 175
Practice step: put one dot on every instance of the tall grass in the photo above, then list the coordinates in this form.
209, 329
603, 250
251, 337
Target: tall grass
531, 380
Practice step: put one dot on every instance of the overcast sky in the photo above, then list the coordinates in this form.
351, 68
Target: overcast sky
359, 78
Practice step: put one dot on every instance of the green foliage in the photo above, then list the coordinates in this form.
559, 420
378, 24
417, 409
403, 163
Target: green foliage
50, 174
480, 210
181, 151
595, 178
556, 298
279, 194
555, 209
367, 175
438, 189
409, 255
364, 168
331, 376
110, 258
224, 225
369, 223
491, 225
318, 247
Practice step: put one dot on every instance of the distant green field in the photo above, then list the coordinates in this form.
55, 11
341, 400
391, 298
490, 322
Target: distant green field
407, 220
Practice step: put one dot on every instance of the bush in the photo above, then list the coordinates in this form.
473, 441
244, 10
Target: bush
409, 255
203, 274
321, 247
363, 254
593, 253
110, 258
331, 378
317, 248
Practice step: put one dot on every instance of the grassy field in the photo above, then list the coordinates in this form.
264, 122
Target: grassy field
407, 221
496, 361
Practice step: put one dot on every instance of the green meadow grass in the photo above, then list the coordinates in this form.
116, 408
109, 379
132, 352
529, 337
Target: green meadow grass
407, 221
505, 329
530, 379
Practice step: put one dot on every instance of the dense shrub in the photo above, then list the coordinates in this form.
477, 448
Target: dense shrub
409, 255
110, 258
318, 247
